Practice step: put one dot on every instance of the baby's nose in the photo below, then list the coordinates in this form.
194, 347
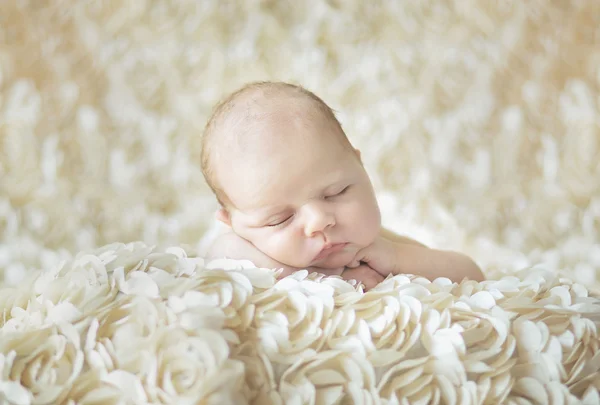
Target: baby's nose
317, 221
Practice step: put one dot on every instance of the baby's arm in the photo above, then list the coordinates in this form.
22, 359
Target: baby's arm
394, 237
393, 254
432, 263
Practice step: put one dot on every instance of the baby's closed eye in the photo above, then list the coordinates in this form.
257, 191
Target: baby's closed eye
338, 193
280, 221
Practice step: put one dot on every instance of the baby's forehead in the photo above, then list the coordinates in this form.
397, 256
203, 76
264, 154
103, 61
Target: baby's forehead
255, 122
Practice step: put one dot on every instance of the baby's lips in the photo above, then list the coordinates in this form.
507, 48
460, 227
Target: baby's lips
328, 250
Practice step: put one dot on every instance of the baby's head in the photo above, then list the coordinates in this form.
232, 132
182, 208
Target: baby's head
287, 178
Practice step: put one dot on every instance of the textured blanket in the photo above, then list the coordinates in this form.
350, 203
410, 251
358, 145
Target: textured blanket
135, 324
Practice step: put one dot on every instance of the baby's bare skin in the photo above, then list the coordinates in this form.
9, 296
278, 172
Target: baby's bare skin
230, 245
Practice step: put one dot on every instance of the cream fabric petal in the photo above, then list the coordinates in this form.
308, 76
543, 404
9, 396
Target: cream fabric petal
482, 299
532, 389
63, 312
129, 385
15, 393
591, 396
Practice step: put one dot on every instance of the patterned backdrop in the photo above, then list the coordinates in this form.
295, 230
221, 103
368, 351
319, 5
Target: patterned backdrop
478, 120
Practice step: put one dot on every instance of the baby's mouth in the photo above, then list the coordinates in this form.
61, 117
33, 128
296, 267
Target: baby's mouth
329, 249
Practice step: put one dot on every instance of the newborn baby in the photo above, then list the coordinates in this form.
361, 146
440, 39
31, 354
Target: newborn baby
294, 194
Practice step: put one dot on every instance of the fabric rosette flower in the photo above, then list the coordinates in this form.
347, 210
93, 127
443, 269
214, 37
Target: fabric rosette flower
430, 368
130, 256
428, 380
40, 366
223, 287
139, 269
114, 333
93, 387
195, 310
260, 278
40, 314
532, 390
58, 294
539, 352
175, 261
556, 336
139, 350
260, 385
229, 291
384, 326
541, 295
13, 297
12, 303
388, 322
184, 368
489, 353
581, 356
290, 318
83, 281
330, 377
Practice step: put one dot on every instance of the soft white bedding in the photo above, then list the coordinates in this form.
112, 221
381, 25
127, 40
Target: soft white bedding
136, 324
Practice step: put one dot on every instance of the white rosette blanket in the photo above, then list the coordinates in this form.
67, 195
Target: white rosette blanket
131, 323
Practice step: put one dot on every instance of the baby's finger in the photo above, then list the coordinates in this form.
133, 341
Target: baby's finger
372, 280
326, 272
354, 264
364, 274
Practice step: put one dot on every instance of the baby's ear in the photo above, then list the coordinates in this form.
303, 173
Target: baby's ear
223, 216
358, 154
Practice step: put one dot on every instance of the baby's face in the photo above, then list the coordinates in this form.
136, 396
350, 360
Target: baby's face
302, 198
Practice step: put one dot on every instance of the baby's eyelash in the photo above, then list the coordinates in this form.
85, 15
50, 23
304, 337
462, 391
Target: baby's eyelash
281, 222
343, 190
339, 193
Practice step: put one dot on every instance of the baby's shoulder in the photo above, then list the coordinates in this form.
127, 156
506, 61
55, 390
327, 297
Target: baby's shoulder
231, 246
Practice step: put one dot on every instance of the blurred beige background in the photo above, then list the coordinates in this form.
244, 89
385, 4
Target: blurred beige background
478, 120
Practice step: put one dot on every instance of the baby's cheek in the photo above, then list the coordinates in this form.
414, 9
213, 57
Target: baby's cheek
372, 229
285, 247
366, 223
274, 246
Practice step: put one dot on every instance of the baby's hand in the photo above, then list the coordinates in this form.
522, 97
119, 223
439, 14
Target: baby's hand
381, 256
364, 274
389, 257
